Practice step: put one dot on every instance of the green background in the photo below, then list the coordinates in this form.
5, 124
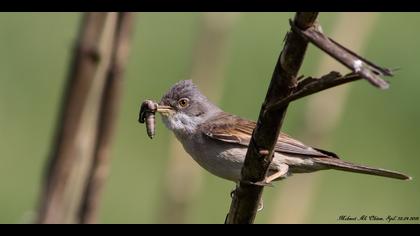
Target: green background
379, 128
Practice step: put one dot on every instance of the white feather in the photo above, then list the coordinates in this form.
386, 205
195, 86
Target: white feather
181, 123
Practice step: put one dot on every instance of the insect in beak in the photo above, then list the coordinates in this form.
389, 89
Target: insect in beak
147, 115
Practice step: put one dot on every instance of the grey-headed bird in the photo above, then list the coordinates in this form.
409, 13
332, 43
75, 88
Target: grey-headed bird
218, 141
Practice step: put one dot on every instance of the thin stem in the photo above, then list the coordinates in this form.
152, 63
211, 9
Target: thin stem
367, 69
247, 196
107, 119
311, 85
74, 144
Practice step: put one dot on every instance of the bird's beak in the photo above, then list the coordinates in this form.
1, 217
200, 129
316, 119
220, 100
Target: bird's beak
164, 110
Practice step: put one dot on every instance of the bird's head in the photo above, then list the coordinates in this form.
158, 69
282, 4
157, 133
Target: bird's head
184, 107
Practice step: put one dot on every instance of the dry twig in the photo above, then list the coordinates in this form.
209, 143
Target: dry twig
247, 196
285, 88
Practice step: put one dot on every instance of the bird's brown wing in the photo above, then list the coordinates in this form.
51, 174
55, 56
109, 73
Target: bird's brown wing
233, 129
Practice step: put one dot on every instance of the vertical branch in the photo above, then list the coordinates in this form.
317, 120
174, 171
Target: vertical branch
260, 151
323, 113
73, 147
107, 119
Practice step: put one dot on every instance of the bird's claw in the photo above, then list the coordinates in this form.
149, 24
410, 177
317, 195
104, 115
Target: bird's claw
263, 183
260, 205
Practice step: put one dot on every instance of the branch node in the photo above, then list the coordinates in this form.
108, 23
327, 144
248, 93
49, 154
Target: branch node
264, 152
367, 69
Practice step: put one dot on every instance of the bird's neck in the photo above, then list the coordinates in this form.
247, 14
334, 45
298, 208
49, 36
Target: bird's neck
182, 125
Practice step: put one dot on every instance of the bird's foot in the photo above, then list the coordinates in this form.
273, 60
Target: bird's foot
281, 173
260, 205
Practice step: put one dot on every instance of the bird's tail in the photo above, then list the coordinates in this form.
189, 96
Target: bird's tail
337, 164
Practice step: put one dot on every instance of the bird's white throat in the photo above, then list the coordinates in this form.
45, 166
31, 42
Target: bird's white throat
181, 123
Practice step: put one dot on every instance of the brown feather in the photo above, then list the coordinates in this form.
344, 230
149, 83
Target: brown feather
351, 167
233, 129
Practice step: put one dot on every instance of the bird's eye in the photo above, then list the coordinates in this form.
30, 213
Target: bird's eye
183, 102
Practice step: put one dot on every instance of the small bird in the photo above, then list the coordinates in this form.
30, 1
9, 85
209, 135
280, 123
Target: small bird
218, 141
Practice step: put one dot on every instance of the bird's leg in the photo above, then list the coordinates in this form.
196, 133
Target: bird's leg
232, 193
260, 205
283, 169
281, 172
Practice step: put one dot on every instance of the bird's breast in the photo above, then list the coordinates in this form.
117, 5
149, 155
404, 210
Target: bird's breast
221, 159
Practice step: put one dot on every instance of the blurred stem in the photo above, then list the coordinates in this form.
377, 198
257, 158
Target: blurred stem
183, 179
107, 119
73, 150
295, 201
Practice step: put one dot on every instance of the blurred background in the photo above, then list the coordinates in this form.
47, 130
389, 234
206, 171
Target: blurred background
231, 57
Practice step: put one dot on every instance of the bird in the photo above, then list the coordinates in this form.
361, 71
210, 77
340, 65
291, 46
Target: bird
218, 140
